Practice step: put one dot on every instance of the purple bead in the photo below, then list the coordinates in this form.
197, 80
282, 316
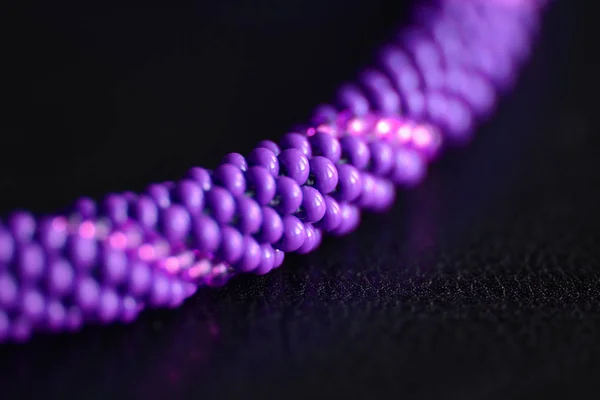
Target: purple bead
296, 141
279, 256
324, 114
7, 246
350, 219
231, 178
313, 205
289, 195
386, 194
108, 308
293, 234
249, 215
114, 266
160, 290
381, 92
323, 174
236, 159
294, 164
160, 195
31, 262
55, 315
51, 238
310, 240
191, 195
221, 204
350, 97
86, 207
176, 223
177, 293
260, 185
33, 304
326, 145
382, 157
207, 234
355, 151
264, 157
116, 208
202, 176
272, 226
146, 212
22, 225
409, 168
87, 294
251, 257
21, 329
267, 261
332, 218
4, 326
140, 279
8, 291
232, 245
60, 277
129, 309
269, 144
349, 183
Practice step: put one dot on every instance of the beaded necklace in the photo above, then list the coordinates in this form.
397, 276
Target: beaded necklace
106, 262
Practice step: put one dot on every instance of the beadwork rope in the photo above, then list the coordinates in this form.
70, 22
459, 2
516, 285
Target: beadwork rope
105, 262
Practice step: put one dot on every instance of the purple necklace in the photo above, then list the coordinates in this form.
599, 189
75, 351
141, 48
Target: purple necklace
106, 262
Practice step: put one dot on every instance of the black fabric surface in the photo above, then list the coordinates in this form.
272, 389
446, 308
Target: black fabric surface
482, 283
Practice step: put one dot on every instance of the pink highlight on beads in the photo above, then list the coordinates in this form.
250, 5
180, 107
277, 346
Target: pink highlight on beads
118, 240
172, 265
87, 229
146, 252
59, 224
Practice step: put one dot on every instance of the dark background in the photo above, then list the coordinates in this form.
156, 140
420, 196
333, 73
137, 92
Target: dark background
482, 283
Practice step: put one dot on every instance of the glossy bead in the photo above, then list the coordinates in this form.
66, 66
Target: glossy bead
323, 174
386, 194
191, 195
176, 223
260, 185
201, 176
313, 205
368, 196
236, 159
251, 257
296, 141
22, 225
221, 204
207, 234
160, 289
108, 308
380, 91
289, 195
382, 157
293, 234
332, 218
355, 151
231, 178
267, 261
232, 245
264, 157
272, 226
324, 114
271, 145
327, 146
248, 215
60, 277
279, 256
349, 183
309, 241
55, 315
294, 164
